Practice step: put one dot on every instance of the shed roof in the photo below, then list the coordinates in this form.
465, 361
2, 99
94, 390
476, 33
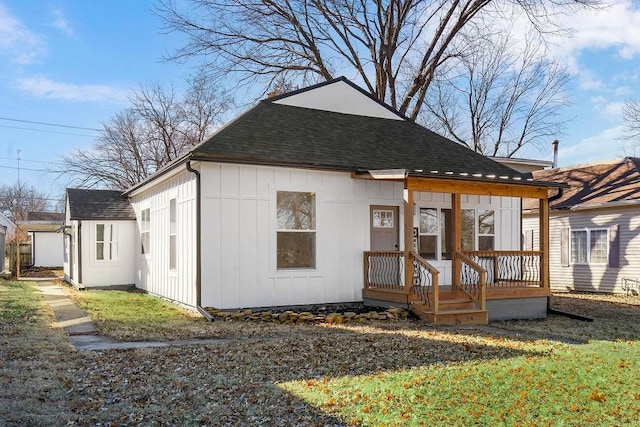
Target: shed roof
98, 204
45, 216
592, 185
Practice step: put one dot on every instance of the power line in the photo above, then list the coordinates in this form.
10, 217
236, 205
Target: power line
46, 131
23, 169
49, 124
32, 161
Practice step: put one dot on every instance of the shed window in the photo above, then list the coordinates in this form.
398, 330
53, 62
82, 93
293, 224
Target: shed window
106, 242
296, 230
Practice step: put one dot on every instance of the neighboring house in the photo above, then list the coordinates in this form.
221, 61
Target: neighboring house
100, 247
7, 230
594, 226
322, 195
45, 235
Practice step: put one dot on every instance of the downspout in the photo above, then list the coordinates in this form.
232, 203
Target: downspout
70, 250
201, 310
79, 253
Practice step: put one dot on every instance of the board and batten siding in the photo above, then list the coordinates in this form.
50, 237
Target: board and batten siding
153, 272
592, 277
105, 273
239, 233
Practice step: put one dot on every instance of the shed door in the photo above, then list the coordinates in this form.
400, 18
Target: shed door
384, 228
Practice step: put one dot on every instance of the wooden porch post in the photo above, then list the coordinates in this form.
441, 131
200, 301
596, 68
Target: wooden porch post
456, 232
544, 242
408, 239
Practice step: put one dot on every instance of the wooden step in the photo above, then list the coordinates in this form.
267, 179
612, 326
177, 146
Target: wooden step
455, 303
453, 317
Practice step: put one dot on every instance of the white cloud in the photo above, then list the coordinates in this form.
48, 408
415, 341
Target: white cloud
61, 23
615, 26
603, 146
16, 42
43, 87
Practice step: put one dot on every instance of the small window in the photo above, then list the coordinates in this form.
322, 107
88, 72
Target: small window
106, 242
579, 247
145, 231
486, 230
173, 252
296, 230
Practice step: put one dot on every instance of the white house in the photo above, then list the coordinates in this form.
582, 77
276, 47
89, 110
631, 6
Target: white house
323, 195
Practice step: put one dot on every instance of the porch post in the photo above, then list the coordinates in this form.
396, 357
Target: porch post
408, 239
456, 232
544, 242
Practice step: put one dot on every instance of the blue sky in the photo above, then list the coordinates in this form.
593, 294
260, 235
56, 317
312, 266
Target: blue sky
74, 62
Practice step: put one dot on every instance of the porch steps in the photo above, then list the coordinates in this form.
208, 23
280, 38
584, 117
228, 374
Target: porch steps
452, 311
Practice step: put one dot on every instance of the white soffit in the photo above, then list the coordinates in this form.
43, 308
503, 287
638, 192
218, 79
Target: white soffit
339, 97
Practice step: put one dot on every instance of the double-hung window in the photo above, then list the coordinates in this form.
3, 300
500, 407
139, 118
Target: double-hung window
106, 242
173, 230
589, 246
296, 229
145, 230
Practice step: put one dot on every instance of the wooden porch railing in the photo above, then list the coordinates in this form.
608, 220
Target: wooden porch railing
425, 281
472, 280
510, 268
384, 270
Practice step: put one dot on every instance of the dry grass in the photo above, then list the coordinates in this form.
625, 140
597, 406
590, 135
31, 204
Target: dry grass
237, 383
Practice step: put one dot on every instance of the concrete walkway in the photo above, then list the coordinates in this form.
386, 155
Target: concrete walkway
82, 331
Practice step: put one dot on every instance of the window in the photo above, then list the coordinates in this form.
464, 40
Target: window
173, 253
296, 230
435, 233
477, 227
589, 246
145, 231
106, 242
486, 230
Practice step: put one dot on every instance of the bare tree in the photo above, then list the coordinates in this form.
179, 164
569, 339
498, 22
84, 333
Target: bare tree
157, 129
500, 97
631, 130
18, 199
394, 47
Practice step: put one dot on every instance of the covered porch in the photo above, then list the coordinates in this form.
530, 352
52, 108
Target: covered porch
481, 284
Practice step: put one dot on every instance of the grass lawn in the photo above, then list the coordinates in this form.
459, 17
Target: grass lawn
555, 372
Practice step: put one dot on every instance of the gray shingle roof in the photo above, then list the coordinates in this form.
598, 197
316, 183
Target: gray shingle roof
277, 134
45, 216
98, 204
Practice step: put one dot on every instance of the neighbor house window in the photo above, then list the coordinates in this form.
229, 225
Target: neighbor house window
145, 230
296, 229
173, 252
106, 242
589, 246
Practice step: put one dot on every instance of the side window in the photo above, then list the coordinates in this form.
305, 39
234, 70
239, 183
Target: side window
173, 248
145, 231
106, 242
486, 230
296, 230
578, 246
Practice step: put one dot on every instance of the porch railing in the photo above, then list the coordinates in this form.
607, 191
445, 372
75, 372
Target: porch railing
425, 281
384, 270
472, 279
510, 268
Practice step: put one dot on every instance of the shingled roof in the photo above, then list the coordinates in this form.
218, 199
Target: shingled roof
274, 133
98, 204
45, 216
597, 184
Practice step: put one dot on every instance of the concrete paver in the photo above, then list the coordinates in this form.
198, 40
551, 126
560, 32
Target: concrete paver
83, 333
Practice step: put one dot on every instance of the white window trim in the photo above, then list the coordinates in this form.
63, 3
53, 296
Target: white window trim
276, 272
115, 240
146, 254
588, 230
172, 269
